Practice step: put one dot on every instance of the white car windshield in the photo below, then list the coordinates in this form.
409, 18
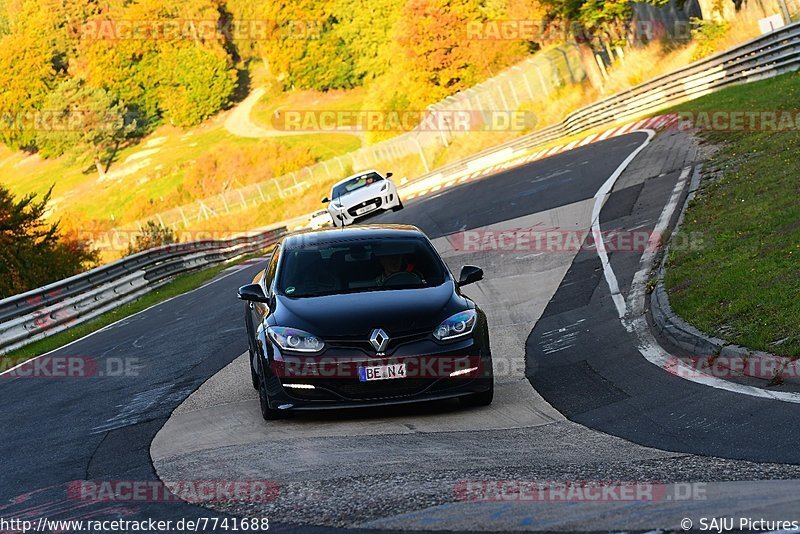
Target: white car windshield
356, 182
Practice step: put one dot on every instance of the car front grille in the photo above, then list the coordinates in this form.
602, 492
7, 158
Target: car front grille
374, 204
381, 389
395, 340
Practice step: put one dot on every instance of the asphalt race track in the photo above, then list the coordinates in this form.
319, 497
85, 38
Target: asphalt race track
575, 398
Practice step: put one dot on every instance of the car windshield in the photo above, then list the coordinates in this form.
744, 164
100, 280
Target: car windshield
316, 269
356, 182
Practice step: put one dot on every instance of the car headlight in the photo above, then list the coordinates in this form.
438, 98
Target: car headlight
456, 326
294, 339
385, 186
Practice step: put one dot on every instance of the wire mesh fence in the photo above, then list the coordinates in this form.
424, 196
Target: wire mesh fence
530, 80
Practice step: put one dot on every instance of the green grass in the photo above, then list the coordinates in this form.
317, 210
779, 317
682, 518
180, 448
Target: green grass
323, 146
178, 286
743, 283
350, 100
114, 200
77, 188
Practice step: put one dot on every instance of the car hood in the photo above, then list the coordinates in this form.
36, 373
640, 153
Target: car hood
368, 192
356, 314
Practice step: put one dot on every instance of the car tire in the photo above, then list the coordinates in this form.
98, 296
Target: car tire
253, 374
398, 207
269, 414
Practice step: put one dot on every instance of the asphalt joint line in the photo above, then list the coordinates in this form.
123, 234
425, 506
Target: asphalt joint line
631, 312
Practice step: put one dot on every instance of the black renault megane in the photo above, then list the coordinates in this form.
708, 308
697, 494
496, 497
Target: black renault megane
364, 316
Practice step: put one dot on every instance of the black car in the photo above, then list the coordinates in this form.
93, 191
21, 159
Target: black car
364, 316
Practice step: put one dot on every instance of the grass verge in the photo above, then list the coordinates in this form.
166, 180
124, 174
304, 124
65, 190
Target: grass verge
178, 286
742, 283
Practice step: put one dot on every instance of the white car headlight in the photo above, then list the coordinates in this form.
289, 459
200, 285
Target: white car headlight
385, 186
456, 326
294, 339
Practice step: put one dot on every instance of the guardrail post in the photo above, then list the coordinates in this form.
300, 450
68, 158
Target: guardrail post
502, 96
527, 82
513, 93
787, 18
421, 155
278, 187
541, 80
567, 64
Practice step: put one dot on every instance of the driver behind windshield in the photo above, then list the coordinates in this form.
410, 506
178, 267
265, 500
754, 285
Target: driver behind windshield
392, 267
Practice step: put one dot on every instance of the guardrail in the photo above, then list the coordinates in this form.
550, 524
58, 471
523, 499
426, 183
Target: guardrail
45, 311
536, 77
763, 57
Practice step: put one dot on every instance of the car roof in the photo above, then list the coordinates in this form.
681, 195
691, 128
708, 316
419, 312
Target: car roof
371, 231
362, 173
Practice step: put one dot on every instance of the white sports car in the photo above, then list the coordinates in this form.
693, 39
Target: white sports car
360, 195
319, 219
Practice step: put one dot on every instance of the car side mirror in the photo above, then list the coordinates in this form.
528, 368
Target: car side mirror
326, 200
389, 174
252, 293
469, 275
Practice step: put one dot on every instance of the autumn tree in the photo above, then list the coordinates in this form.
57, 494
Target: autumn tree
79, 117
34, 252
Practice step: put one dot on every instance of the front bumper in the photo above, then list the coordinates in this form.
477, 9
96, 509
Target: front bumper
336, 382
344, 217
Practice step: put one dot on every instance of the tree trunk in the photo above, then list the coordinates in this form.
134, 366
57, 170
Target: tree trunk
99, 166
590, 64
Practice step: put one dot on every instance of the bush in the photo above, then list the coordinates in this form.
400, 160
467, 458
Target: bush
152, 235
707, 35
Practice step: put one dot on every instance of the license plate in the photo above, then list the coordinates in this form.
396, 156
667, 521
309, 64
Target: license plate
382, 372
361, 211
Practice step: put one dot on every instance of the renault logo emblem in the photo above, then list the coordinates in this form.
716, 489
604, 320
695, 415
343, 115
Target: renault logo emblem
379, 339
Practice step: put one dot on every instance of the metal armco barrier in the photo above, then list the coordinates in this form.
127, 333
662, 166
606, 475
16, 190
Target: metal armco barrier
58, 306
50, 309
763, 57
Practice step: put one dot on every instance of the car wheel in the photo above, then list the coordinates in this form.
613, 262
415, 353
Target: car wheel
479, 399
398, 207
269, 414
253, 374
